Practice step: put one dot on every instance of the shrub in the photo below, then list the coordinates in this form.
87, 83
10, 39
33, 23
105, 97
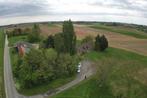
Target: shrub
101, 43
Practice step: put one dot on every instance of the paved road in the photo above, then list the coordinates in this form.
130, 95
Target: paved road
11, 92
10, 89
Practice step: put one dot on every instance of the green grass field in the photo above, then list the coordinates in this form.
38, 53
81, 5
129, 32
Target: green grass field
45, 87
2, 91
121, 74
13, 40
122, 30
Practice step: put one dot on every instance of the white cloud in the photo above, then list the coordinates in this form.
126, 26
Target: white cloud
95, 8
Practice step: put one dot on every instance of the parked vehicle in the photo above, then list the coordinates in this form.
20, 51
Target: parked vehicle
79, 67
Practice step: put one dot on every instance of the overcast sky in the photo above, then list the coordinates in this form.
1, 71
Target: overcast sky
128, 11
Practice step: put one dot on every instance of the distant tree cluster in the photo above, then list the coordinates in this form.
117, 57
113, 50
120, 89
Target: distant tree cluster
101, 43
33, 33
141, 28
17, 32
43, 66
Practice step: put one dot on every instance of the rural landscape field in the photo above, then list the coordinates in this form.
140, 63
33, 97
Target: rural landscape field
73, 49
117, 72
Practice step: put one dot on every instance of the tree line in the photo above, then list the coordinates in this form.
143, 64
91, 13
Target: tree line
33, 34
17, 32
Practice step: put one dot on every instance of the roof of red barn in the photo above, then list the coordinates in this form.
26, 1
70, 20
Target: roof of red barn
23, 43
21, 50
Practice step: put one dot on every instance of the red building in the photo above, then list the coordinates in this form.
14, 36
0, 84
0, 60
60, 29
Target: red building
21, 50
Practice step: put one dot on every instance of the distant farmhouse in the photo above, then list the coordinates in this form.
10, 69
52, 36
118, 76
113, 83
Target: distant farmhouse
24, 47
85, 47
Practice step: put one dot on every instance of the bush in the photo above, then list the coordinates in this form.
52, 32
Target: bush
101, 43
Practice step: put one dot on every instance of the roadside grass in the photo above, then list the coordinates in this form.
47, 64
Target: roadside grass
41, 88
14, 39
45, 87
2, 40
122, 30
85, 89
124, 76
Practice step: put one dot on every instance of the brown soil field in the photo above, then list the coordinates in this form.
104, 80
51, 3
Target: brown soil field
49, 30
115, 39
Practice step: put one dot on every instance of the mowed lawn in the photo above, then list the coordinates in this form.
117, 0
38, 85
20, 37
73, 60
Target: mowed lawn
122, 30
121, 74
14, 39
2, 91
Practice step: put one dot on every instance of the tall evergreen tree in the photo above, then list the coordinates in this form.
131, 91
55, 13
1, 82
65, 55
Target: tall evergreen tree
101, 43
104, 43
97, 43
69, 37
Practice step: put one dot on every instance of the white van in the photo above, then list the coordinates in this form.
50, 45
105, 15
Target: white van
79, 66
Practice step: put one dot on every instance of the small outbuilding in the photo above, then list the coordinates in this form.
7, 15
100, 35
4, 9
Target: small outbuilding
24, 47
